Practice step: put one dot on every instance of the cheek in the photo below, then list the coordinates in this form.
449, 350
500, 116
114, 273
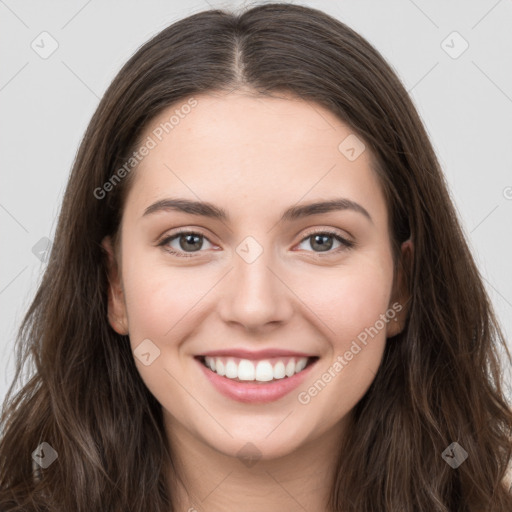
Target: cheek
158, 297
351, 298
357, 339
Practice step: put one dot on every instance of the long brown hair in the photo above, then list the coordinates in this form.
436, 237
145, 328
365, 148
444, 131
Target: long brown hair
440, 380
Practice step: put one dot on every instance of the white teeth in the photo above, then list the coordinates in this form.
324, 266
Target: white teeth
301, 365
219, 368
264, 371
245, 370
231, 369
261, 371
279, 372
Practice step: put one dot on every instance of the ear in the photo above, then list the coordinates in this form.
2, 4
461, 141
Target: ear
116, 304
400, 298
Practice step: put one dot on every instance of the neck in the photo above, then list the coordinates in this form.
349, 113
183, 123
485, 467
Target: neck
206, 479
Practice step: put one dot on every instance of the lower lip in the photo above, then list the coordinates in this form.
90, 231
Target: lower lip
255, 393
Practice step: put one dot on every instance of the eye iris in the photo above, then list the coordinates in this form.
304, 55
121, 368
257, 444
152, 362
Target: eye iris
322, 237
189, 237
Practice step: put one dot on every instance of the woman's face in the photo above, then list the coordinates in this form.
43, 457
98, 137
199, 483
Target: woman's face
266, 275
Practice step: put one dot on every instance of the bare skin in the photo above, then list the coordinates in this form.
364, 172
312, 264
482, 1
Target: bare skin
255, 157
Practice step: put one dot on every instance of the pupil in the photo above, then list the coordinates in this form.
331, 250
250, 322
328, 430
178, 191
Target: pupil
189, 244
323, 237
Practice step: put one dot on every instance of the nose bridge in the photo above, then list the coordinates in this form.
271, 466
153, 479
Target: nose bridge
256, 295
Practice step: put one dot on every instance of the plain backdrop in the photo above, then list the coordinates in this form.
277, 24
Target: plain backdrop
58, 57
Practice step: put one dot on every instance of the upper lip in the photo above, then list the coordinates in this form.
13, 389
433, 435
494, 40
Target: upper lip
255, 354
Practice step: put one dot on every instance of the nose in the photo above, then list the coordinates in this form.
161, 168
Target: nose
255, 295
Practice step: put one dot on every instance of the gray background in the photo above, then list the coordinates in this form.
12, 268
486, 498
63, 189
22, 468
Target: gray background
45, 104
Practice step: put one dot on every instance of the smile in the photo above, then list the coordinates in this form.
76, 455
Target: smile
264, 370
255, 381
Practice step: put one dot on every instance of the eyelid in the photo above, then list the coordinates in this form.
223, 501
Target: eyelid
173, 233
330, 231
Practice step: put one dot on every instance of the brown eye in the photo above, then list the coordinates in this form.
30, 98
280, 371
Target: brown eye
185, 243
322, 241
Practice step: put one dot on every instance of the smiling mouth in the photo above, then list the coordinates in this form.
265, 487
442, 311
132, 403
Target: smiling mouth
267, 370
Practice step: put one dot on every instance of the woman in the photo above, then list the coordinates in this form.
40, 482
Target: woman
201, 344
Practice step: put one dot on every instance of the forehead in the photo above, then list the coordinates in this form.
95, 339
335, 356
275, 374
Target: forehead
253, 151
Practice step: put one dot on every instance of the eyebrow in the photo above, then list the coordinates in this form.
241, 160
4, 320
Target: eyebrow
206, 209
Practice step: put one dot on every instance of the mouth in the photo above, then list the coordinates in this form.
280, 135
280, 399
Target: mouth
261, 371
255, 380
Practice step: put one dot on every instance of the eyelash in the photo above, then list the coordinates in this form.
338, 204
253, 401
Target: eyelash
346, 244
